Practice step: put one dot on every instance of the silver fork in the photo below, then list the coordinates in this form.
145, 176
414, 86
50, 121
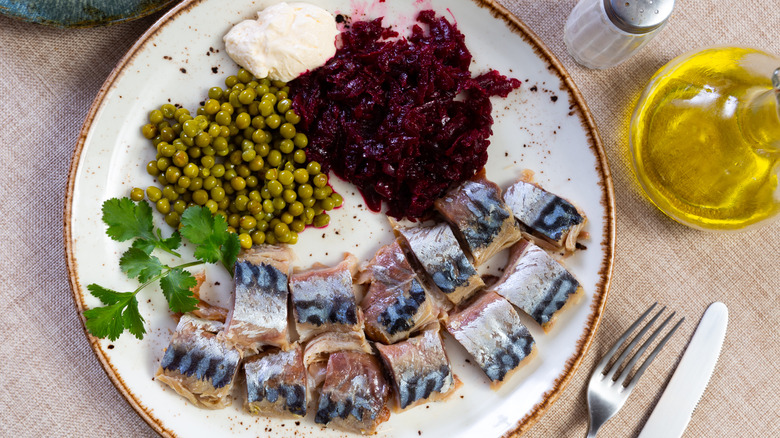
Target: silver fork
607, 394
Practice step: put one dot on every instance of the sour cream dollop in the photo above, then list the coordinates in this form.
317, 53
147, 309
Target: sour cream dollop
285, 41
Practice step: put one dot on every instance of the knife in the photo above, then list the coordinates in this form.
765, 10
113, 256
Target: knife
673, 411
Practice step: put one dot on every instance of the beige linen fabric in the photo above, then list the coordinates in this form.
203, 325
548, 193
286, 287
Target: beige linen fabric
52, 384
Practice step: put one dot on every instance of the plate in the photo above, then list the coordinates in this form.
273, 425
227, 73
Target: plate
545, 127
80, 13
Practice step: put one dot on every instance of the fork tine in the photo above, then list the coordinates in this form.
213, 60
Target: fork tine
642, 349
614, 349
652, 356
637, 338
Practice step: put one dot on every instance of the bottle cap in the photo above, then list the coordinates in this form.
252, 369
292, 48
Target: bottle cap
638, 16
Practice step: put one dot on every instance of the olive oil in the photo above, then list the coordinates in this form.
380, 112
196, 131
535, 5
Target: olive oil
705, 139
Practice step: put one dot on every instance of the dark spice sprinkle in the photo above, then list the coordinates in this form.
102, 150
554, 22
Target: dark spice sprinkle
215, 70
554, 98
533, 88
183, 70
110, 346
216, 283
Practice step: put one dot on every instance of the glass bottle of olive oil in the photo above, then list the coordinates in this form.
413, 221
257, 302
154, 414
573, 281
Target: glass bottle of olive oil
705, 138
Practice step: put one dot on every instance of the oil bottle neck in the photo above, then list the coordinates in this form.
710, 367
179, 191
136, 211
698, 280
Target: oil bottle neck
761, 118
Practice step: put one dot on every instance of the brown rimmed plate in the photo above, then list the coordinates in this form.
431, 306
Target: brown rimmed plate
545, 127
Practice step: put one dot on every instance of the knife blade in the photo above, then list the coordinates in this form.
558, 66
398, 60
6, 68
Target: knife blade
673, 411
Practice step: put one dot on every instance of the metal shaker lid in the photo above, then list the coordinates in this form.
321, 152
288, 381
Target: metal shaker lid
638, 16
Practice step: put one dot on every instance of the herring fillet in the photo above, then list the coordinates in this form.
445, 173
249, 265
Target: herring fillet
537, 283
479, 215
396, 303
276, 383
354, 394
324, 300
438, 251
419, 368
198, 364
490, 330
553, 218
259, 313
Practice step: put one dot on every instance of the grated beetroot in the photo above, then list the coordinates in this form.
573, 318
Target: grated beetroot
383, 115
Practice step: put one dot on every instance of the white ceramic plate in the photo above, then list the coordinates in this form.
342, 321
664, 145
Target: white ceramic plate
545, 126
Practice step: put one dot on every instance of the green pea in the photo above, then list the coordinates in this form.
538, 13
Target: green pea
283, 105
328, 204
200, 197
254, 206
156, 116
274, 158
299, 157
153, 193
231, 80
258, 237
321, 220
320, 180
256, 163
223, 118
337, 200
313, 168
287, 130
268, 206
248, 222
289, 196
172, 219
297, 225
308, 202
286, 177
195, 183
274, 187
191, 170
273, 121
241, 203
237, 183
279, 204
149, 131
270, 238
305, 191
217, 194
151, 168
286, 146
215, 93
212, 206
244, 76
300, 140
163, 206
295, 208
300, 176
243, 120
291, 117
266, 108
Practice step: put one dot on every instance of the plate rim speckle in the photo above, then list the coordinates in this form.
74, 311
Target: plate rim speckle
594, 142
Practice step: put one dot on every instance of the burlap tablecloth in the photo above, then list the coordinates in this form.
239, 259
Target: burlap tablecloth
52, 385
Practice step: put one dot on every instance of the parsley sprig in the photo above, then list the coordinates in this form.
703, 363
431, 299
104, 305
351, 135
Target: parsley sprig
128, 220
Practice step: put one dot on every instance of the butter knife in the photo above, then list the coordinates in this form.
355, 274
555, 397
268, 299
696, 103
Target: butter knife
673, 411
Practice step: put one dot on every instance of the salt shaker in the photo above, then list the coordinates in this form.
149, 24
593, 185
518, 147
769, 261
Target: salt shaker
603, 33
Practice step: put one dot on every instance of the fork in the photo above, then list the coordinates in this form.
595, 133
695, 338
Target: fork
607, 393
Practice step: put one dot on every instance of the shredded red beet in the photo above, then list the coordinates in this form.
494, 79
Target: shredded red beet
382, 113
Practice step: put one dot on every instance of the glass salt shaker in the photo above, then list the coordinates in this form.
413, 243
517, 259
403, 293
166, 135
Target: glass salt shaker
603, 33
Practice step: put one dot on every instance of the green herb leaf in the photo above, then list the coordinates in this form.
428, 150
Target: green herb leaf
176, 287
230, 252
172, 242
144, 245
127, 220
137, 263
208, 232
120, 313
